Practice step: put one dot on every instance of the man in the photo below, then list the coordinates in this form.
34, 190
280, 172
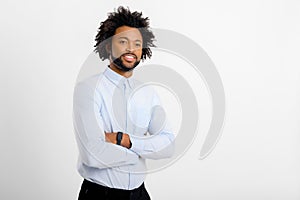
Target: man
118, 123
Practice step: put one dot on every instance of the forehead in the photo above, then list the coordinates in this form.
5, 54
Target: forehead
128, 32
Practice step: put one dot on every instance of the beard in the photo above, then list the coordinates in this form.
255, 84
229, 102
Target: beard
119, 64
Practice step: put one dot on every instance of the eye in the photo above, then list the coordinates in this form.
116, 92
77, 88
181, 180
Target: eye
138, 44
122, 41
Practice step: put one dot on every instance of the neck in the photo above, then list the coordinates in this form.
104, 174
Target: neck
122, 73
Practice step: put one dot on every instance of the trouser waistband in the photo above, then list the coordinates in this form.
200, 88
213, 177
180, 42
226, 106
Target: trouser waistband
90, 191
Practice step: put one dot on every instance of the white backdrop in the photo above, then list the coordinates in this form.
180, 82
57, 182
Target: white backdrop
255, 46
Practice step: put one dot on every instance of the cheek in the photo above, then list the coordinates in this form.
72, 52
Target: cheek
117, 51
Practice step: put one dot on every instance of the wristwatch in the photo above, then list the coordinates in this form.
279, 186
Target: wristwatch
119, 137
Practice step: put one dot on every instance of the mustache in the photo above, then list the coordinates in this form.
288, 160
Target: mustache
130, 54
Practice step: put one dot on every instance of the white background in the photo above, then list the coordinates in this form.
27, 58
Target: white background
255, 46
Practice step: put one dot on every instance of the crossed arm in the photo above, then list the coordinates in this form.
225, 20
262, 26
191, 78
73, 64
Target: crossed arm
98, 149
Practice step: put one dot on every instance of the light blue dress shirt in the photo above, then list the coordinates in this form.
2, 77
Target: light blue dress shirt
109, 102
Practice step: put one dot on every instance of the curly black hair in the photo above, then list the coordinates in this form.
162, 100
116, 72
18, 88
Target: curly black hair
123, 17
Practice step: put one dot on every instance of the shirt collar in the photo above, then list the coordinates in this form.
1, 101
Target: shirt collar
117, 78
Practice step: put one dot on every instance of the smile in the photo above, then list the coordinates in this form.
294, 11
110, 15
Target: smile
129, 57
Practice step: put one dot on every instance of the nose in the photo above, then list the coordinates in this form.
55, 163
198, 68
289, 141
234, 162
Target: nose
129, 47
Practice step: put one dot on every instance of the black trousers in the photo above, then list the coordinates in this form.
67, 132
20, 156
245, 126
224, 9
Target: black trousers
93, 191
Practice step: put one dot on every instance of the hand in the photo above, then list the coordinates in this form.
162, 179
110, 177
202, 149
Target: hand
112, 138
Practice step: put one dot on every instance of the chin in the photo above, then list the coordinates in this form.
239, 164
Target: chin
131, 65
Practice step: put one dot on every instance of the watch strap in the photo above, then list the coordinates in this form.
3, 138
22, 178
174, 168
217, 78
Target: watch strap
119, 137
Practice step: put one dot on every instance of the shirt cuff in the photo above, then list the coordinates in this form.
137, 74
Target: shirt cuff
137, 144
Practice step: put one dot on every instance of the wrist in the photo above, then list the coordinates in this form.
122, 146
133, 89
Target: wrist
119, 138
123, 139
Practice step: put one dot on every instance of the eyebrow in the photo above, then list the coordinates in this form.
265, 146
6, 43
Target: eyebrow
122, 37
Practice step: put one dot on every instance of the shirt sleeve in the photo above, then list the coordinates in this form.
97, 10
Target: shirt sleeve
160, 141
94, 151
